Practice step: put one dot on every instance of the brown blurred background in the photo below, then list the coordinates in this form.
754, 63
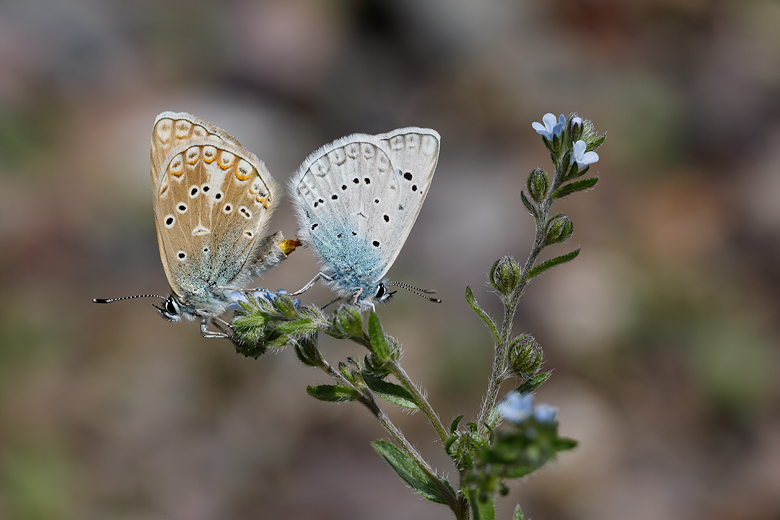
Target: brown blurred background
662, 335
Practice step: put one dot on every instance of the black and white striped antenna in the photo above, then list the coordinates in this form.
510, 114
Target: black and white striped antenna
111, 300
415, 290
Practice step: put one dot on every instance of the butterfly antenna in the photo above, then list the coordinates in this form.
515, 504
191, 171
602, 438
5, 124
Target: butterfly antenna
110, 300
415, 290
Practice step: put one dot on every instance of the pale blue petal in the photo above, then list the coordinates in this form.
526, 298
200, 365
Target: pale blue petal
549, 121
545, 414
234, 298
237, 296
516, 407
577, 151
588, 158
541, 130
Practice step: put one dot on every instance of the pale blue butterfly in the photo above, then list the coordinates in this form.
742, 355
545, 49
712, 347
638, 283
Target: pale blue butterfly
212, 203
356, 200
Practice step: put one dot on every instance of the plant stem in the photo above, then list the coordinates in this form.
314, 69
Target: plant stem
423, 403
367, 399
500, 359
398, 371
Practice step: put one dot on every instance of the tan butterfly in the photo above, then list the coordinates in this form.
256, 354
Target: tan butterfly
212, 202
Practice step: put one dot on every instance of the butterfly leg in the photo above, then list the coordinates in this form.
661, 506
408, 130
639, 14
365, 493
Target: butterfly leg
204, 325
331, 302
364, 305
312, 282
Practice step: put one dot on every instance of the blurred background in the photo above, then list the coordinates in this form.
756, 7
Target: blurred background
662, 335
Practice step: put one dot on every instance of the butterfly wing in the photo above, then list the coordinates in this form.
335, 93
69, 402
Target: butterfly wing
414, 153
172, 129
212, 202
355, 204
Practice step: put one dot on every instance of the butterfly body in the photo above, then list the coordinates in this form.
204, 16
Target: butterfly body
357, 199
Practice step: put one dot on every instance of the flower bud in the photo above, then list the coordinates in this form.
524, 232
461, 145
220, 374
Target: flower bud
307, 351
575, 128
559, 229
505, 274
538, 184
525, 356
347, 322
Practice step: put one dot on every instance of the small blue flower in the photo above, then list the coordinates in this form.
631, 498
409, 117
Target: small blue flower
550, 127
545, 414
581, 157
576, 121
234, 298
516, 407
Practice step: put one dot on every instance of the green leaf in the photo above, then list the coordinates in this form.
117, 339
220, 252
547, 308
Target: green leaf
518, 513
296, 327
533, 383
565, 444
579, 173
530, 207
552, 262
574, 187
481, 505
378, 340
248, 321
274, 339
472, 301
391, 392
408, 470
595, 143
285, 306
333, 393
455, 423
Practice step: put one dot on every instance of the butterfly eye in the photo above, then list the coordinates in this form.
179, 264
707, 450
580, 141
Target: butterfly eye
380, 291
170, 307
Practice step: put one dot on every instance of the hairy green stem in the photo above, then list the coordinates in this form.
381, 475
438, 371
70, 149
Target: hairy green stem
366, 399
398, 371
422, 402
500, 359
